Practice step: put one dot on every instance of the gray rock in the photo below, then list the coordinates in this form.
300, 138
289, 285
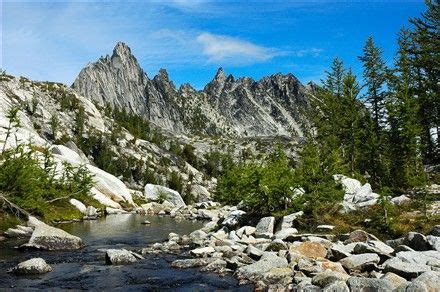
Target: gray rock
120, 257
245, 230
339, 251
51, 238
286, 234
287, 221
428, 281
359, 236
373, 246
394, 279
265, 227
192, 263
254, 252
404, 269
146, 222
358, 284
198, 237
434, 242
418, 257
360, 262
233, 218
19, 232
337, 286
203, 251
256, 271
417, 241
325, 227
400, 200
155, 192
33, 266
91, 213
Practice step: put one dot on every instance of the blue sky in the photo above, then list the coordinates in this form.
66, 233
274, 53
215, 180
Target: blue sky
53, 40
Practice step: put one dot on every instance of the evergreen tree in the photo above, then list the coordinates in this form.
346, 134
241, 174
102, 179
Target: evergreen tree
334, 78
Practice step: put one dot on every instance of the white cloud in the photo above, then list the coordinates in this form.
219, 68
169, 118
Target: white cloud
314, 52
220, 48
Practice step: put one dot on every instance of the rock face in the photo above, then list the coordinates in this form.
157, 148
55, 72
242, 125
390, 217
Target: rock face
51, 238
33, 266
273, 106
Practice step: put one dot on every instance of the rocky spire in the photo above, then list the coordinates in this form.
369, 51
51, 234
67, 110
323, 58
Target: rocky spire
215, 87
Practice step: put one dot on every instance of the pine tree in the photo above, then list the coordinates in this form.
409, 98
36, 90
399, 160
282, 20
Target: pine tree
426, 61
334, 78
374, 78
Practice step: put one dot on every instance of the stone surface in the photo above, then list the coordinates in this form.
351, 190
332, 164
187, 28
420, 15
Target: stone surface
79, 205
258, 269
404, 269
327, 277
33, 266
203, 251
394, 279
428, 281
359, 236
369, 284
286, 234
192, 263
337, 286
287, 221
416, 241
373, 246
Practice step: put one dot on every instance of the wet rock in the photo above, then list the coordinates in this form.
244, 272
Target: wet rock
359, 236
218, 266
120, 257
369, 284
113, 211
327, 277
146, 222
192, 263
287, 221
404, 269
33, 266
360, 262
311, 249
265, 227
51, 238
416, 241
394, 279
257, 270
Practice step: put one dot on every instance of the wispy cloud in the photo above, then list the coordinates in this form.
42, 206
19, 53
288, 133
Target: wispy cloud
221, 48
314, 52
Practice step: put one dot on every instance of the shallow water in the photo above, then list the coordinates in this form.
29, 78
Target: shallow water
86, 269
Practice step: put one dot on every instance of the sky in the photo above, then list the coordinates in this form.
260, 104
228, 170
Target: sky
54, 40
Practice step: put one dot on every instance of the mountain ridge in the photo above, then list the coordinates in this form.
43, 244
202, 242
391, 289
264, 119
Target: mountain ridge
275, 105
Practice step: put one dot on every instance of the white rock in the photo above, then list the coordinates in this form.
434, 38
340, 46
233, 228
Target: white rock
153, 192
79, 205
31, 267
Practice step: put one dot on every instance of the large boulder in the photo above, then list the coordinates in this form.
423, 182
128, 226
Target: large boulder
33, 266
311, 249
356, 195
428, 281
233, 218
257, 270
373, 246
416, 241
327, 277
287, 221
51, 238
156, 192
265, 227
200, 193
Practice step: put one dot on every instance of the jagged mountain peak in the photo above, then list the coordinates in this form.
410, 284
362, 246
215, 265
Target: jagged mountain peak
121, 49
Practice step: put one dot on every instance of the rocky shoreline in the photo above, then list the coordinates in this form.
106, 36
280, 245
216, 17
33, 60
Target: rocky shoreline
272, 255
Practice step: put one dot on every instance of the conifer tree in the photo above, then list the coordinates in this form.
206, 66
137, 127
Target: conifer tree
334, 78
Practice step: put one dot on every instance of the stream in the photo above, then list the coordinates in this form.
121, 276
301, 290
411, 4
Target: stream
85, 269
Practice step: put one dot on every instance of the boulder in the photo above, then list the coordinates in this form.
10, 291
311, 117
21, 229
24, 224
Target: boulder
339, 251
233, 218
286, 234
265, 227
91, 213
200, 193
428, 281
369, 284
192, 263
360, 262
373, 246
288, 220
435, 231
203, 251
254, 252
359, 236
418, 257
337, 286
257, 270
156, 192
400, 200
33, 266
19, 232
405, 269
198, 237
282, 277
120, 257
434, 242
394, 279
51, 238
416, 241
79, 205
311, 249
327, 277
245, 230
